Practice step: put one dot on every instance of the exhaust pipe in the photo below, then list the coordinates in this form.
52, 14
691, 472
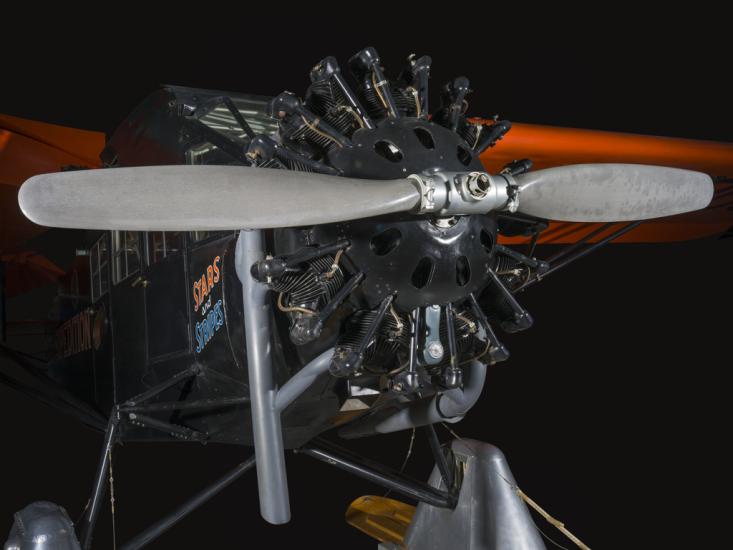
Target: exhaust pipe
448, 406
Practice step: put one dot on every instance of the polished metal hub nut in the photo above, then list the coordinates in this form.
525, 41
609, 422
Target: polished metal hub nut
478, 184
435, 350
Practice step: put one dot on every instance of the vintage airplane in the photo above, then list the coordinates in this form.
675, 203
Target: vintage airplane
264, 270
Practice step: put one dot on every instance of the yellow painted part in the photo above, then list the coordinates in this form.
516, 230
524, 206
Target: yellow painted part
382, 518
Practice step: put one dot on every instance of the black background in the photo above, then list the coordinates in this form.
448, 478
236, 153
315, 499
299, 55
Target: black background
613, 409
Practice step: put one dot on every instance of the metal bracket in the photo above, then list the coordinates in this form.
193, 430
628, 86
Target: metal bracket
433, 350
275, 267
174, 430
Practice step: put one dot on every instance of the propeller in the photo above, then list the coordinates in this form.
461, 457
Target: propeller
206, 197
210, 197
612, 192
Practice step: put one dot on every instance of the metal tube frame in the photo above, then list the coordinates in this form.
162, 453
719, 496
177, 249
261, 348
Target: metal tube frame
572, 248
100, 482
266, 427
164, 524
175, 430
267, 401
342, 459
147, 395
89, 521
201, 404
445, 470
571, 255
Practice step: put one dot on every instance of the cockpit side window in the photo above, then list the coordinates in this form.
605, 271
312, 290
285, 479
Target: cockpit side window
161, 244
198, 236
126, 254
99, 268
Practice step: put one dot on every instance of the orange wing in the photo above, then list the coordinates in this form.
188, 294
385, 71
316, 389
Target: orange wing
551, 146
28, 148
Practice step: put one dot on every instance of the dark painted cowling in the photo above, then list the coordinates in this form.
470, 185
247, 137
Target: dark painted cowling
399, 147
423, 262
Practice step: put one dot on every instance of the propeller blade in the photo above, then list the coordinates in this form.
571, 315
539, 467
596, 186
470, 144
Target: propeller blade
206, 197
612, 192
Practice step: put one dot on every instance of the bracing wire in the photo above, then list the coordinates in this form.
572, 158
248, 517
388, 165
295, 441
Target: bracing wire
112, 499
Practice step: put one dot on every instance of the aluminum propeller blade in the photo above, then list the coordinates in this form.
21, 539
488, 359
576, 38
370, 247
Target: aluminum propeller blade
612, 192
190, 197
